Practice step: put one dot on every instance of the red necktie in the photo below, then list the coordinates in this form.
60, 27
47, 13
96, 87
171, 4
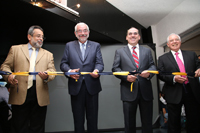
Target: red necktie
135, 57
180, 65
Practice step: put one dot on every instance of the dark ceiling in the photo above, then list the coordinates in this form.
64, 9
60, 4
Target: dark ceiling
17, 16
107, 24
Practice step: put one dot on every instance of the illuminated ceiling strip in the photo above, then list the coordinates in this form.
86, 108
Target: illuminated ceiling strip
64, 7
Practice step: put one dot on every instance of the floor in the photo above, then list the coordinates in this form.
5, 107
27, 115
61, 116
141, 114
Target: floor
139, 131
158, 130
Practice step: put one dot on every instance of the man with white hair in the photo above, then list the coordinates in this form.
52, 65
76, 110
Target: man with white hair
179, 90
85, 56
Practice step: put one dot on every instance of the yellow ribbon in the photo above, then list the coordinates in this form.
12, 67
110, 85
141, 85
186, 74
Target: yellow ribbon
132, 86
27, 73
125, 73
121, 73
152, 71
179, 73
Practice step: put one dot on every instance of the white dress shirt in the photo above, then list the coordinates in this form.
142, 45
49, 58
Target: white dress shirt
136, 49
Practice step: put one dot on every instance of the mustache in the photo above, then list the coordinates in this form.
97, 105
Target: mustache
40, 41
82, 35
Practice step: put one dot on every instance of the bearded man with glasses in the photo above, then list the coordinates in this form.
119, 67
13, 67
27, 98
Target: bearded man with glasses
29, 100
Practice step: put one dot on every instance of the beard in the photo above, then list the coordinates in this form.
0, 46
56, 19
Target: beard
37, 44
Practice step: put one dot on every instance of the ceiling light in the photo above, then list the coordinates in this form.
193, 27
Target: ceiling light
78, 5
64, 7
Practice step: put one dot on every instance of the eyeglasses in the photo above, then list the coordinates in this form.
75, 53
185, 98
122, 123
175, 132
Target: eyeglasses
80, 31
39, 36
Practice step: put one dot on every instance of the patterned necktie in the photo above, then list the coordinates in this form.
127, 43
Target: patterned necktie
180, 65
83, 50
31, 68
135, 57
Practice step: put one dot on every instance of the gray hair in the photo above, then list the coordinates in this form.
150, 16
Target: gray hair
32, 28
173, 34
75, 28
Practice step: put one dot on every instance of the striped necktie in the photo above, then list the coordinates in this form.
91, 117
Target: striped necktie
135, 57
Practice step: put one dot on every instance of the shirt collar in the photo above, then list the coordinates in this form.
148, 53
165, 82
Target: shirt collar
173, 52
82, 43
130, 46
30, 47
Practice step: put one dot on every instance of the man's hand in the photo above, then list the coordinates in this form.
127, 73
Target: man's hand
95, 74
180, 79
12, 80
131, 78
145, 74
43, 75
197, 73
76, 77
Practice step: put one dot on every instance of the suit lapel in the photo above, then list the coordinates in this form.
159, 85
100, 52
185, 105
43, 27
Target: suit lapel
25, 51
172, 60
185, 59
87, 49
78, 50
40, 54
141, 56
127, 51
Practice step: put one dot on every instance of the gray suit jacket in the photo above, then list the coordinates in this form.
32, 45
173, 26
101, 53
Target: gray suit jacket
72, 59
124, 61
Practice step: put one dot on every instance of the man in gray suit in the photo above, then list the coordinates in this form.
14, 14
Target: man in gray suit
134, 57
84, 56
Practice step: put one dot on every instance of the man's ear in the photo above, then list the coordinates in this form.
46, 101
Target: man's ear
29, 37
167, 45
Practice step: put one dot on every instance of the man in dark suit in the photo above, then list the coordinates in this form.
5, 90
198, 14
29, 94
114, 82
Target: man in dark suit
142, 94
179, 89
29, 102
84, 56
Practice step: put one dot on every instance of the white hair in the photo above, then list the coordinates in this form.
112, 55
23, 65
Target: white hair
173, 34
75, 28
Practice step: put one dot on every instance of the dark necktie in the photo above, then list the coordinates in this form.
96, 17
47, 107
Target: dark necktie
135, 57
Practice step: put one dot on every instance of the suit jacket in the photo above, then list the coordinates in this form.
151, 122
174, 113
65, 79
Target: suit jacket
124, 61
18, 60
72, 59
173, 91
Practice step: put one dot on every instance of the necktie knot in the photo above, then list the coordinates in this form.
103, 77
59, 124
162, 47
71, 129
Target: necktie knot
176, 53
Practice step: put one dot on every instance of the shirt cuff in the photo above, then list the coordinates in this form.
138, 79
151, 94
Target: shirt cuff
174, 80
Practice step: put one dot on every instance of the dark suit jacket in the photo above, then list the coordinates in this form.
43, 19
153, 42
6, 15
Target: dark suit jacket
124, 61
173, 91
72, 59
